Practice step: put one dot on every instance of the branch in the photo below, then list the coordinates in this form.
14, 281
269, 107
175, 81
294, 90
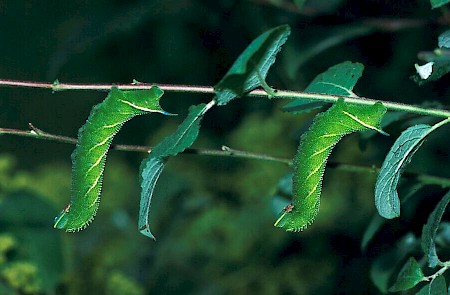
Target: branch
392, 106
37, 133
225, 151
57, 86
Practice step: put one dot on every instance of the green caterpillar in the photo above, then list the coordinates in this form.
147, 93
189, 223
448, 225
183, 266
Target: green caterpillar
315, 147
89, 156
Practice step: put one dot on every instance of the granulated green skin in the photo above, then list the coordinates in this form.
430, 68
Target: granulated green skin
89, 156
315, 147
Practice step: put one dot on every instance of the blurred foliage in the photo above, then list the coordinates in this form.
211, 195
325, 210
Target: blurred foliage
23, 277
212, 216
118, 284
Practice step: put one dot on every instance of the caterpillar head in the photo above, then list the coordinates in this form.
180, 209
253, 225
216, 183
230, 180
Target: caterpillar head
62, 218
292, 220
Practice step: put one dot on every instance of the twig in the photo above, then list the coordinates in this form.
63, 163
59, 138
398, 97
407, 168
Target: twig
225, 151
392, 106
57, 86
37, 133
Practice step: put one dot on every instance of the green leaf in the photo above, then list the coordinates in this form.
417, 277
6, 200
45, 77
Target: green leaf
410, 275
444, 39
337, 80
430, 229
438, 286
151, 170
152, 166
185, 134
438, 3
251, 67
401, 153
435, 287
278, 204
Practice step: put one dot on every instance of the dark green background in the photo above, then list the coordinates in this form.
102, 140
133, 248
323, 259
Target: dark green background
212, 216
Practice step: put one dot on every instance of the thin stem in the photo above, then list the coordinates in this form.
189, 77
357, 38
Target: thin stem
37, 133
57, 86
445, 267
225, 151
392, 106
229, 152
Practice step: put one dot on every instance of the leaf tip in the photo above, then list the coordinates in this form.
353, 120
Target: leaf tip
383, 132
167, 113
146, 232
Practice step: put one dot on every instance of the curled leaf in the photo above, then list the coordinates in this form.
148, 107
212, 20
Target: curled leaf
152, 166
